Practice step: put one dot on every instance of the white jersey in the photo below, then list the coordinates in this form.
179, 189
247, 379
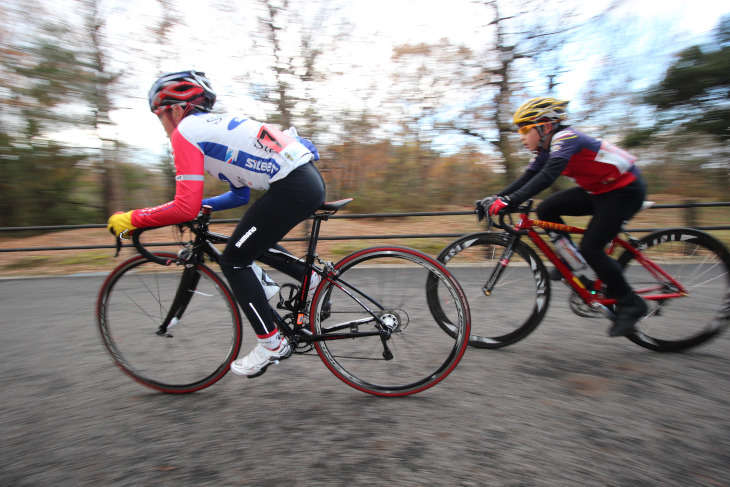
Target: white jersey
243, 152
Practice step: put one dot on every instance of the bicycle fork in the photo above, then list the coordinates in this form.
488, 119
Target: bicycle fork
501, 265
183, 295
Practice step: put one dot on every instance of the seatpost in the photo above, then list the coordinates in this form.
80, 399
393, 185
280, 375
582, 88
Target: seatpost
314, 236
310, 257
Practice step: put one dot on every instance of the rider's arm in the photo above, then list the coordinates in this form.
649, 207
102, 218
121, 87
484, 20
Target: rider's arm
188, 188
232, 199
542, 180
518, 183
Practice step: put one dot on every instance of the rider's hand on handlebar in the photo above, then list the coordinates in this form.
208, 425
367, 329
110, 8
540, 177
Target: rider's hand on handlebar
482, 206
120, 224
499, 204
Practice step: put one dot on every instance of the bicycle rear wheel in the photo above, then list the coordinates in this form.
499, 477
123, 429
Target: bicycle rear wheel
199, 345
519, 300
391, 281
701, 264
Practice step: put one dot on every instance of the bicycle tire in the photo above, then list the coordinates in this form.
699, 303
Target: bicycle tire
194, 353
422, 353
504, 317
698, 261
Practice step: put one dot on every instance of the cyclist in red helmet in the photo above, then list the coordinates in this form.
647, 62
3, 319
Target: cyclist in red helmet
609, 187
247, 155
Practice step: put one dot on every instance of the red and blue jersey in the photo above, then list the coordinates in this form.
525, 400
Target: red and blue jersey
593, 164
245, 153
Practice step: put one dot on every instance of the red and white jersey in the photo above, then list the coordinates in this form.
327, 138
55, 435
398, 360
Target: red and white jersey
240, 151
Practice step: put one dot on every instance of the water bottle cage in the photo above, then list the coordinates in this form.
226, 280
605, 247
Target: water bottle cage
288, 303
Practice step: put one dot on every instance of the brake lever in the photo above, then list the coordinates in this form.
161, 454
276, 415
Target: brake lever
479, 210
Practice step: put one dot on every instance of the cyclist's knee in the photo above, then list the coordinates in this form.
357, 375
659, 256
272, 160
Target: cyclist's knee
233, 266
592, 253
547, 212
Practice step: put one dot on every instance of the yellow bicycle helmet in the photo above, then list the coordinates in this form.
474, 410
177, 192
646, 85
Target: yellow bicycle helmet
541, 109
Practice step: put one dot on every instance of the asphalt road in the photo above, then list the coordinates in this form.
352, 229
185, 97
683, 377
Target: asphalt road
567, 406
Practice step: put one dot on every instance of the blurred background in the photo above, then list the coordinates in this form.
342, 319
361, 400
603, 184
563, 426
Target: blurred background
409, 103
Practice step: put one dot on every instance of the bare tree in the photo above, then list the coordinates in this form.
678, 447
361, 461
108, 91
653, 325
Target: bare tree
45, 80
101, 103
474, 91
161, 34
525, 52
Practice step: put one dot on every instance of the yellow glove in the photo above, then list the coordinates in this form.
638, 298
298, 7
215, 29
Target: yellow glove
120, 224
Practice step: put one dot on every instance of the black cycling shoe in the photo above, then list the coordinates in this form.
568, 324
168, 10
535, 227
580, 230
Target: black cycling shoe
627, 315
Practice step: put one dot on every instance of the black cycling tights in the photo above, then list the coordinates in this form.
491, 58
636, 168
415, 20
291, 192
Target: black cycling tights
610, 211
288, 202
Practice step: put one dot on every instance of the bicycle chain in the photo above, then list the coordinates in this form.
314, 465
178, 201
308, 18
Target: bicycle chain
307, 353
310, 353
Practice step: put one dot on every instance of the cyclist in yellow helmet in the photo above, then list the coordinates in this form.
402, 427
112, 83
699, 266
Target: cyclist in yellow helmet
609, 187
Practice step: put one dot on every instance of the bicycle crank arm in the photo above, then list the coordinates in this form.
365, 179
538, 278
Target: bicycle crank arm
604, 310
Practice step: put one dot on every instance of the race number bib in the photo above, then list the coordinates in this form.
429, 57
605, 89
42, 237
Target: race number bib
610, 154
281, 143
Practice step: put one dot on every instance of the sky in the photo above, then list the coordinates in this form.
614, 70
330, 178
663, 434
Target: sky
377, 25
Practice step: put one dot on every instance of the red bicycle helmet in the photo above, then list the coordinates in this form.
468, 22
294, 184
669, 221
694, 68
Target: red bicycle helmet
182, 88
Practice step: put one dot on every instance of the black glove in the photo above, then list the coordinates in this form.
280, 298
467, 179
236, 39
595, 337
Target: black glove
482, 206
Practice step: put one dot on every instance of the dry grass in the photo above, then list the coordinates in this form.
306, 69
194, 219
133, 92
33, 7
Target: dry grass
35, 263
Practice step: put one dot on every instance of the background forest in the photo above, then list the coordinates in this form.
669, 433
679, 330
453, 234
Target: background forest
418, 123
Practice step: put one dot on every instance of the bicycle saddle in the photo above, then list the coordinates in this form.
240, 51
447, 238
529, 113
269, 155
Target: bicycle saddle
334, 205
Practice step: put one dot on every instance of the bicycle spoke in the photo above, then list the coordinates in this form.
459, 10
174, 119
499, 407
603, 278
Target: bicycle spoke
472, 259
702, 267
133, 304
422, 353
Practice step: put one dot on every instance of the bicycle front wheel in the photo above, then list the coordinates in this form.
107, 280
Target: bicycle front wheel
701, 264
404, 350
519, 300
204, 331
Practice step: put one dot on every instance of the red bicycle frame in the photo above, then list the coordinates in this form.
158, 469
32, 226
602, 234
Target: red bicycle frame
665, 286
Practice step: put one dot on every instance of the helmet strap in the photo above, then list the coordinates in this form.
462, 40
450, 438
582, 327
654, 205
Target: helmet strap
543, 133
168, 115
187, 109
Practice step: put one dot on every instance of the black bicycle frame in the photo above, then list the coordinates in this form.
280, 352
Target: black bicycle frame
203, 244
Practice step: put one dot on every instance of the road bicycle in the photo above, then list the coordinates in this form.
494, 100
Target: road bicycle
171, 323
682, 273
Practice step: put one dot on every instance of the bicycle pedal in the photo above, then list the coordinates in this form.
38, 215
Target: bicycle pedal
580, 308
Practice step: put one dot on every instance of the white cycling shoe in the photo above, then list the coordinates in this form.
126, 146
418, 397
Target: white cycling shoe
254, 364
